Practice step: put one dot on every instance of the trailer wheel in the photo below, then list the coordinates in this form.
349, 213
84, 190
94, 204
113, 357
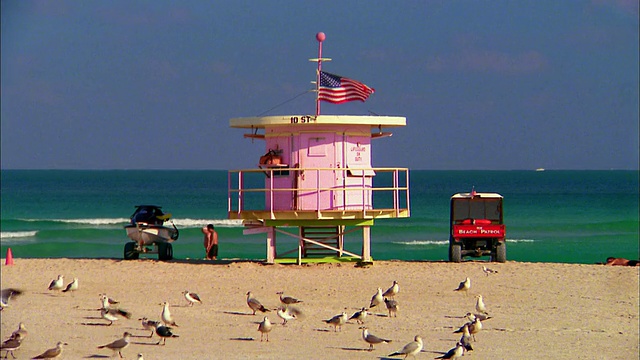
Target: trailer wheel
455, 253
130, 252
165, 251
501, 253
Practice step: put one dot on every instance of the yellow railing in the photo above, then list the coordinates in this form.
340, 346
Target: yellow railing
250, 197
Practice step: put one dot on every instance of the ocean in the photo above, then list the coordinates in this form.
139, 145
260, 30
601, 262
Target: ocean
551, 216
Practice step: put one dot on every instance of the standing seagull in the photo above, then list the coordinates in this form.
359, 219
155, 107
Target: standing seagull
464, 285
109, 300
164, 332
372, 339
149, 325
5, 296
107, 315
118, 345
254, 304
287, 300
392, 307
265, 327
392, 291
465, 339
140, 357
480, 307
22, 331
360, 315
284, 314
377, 299
72, 286
488, 271
475, 328
337, 321
411, 348
57, 284
10, 345
166, 315
52, 353
454, 353
192, 298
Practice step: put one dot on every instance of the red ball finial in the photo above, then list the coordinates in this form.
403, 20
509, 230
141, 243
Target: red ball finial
321, 36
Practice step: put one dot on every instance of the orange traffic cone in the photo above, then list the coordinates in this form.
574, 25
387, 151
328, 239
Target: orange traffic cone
9, 259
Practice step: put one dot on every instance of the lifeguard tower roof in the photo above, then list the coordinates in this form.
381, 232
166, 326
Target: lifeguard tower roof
265, 121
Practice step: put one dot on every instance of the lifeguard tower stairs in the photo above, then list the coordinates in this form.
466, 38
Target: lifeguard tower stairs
315, 182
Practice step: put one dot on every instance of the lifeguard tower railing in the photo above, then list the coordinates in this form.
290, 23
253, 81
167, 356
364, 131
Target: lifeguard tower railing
250, 197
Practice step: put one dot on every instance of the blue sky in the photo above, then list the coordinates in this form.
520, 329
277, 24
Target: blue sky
484, 84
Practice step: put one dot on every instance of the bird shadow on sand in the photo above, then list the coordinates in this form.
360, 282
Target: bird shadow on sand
243, 339
324, 330
94, 356
349, 348
144, 343
237, 313
94, 324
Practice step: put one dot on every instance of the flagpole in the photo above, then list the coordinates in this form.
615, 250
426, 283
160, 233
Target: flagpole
320, 37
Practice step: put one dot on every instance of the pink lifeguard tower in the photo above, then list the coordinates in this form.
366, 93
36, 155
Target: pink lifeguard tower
319, 183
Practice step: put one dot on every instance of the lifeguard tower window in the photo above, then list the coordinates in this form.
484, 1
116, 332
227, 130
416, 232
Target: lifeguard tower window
476, 209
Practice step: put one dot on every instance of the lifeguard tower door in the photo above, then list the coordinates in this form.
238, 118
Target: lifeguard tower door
316, 150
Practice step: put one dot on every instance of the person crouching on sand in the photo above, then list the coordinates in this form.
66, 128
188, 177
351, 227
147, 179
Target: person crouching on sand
210, 242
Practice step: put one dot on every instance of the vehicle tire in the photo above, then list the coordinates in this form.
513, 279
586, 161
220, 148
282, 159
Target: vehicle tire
501, 253
130, 252
455, 253
165, 251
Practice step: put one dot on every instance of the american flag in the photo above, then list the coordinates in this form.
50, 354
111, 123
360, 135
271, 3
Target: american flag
337, 89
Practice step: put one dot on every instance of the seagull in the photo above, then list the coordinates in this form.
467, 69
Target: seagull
57, 284
372, 339
254, 304
480, 307
106, 305
464, 285
5, 296
454, 353
72, 286
411, 348
108, 315
392, 307
166, 315
337, 321
359, 315
264, 328
287, 300
118, 345
52, 353
465, 339
284, 314
149, 325
22, 331
164, 332
109, 300
475, 328
192, 298
140, 357
392, 291
488, 271
482, 317
377, 299
10, 345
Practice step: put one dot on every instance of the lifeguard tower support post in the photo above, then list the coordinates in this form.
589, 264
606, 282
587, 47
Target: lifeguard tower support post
318, 178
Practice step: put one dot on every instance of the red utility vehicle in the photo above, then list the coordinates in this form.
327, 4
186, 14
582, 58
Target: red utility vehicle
477, 227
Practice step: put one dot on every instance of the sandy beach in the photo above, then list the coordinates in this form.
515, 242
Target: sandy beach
538, 310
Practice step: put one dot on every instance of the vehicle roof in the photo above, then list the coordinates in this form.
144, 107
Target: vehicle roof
478, 195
